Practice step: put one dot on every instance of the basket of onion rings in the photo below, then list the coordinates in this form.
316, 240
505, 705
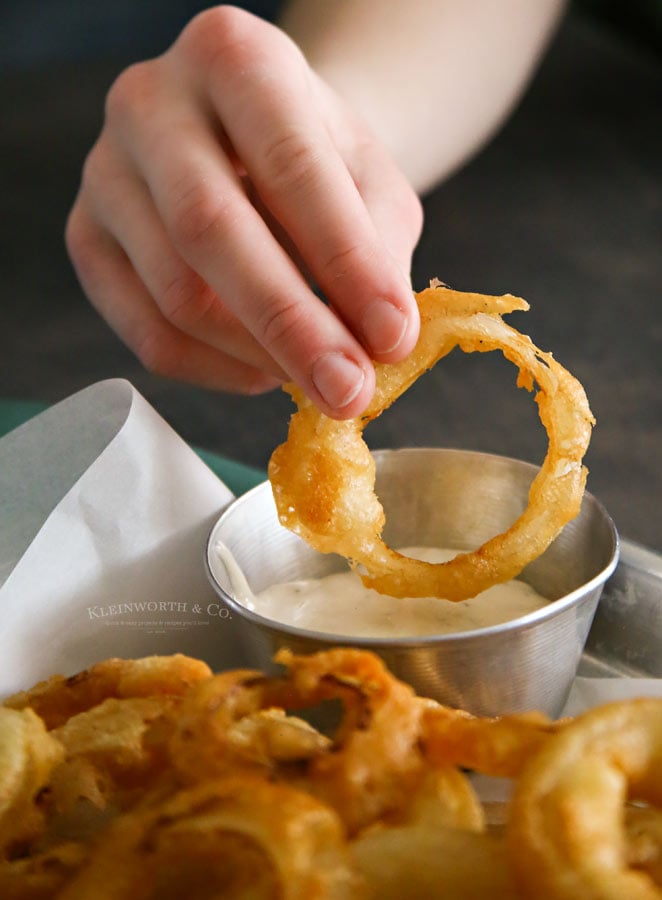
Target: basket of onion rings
155, 778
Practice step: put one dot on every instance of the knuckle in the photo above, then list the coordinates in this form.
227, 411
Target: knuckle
258, 382
186, 300
131, 92
221, 32
95, 167
75, 237
406, 206
163, 354
224, 21
409, 210
155, 353
90, 168
81, 245
281, 325
291, 163
353, 259
195, 213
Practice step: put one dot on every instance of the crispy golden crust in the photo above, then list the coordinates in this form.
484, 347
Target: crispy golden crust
216, 790
567, 833
293, 847
323, 476
28, 756
60, 697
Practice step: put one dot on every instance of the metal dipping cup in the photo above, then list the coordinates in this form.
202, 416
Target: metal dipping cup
444, 498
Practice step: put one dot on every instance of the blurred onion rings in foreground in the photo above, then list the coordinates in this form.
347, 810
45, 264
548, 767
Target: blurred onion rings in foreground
568, 829
217, 790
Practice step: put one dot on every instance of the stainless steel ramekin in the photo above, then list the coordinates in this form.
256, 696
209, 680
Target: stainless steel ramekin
446, 498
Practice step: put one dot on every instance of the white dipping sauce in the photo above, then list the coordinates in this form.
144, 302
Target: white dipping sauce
341, 604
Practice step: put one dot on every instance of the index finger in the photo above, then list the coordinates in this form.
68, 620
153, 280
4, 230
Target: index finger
265, 97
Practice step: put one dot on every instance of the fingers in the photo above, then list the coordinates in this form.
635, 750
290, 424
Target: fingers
266, 89
213, 160
220, 235
120, 203
395, 209
202, 202
120, 296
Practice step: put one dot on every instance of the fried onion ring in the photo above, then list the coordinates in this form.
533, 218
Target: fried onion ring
375, 764
28, 755
643, 827
59, 697
323, 476
289, 845
420, 863
42, 874
498, 746
114, 750
219, 714
567, 831
229, 721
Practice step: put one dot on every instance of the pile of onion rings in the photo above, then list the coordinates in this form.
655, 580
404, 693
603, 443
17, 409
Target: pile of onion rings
581, 781
323, 476
158, 779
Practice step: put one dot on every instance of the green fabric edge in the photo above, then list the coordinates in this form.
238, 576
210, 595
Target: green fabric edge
238, 477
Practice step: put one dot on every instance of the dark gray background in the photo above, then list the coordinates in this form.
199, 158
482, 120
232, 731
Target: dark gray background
563, 208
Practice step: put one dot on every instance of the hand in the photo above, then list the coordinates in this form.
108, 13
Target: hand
227, 179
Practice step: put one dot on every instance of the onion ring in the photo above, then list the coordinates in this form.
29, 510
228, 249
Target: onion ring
219, 714
114, 752
42, 874
566, 832
60, 697
375, 763
229, 722
28, 755
498, 746
643, 827
323, 476
298, 837
420, 863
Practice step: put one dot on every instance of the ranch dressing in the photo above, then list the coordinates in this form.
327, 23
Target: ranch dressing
340, 604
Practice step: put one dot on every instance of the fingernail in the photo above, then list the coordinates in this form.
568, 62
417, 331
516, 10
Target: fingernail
384, 326
338, 379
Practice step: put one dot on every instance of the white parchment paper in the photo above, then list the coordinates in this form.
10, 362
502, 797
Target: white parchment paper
104, 514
